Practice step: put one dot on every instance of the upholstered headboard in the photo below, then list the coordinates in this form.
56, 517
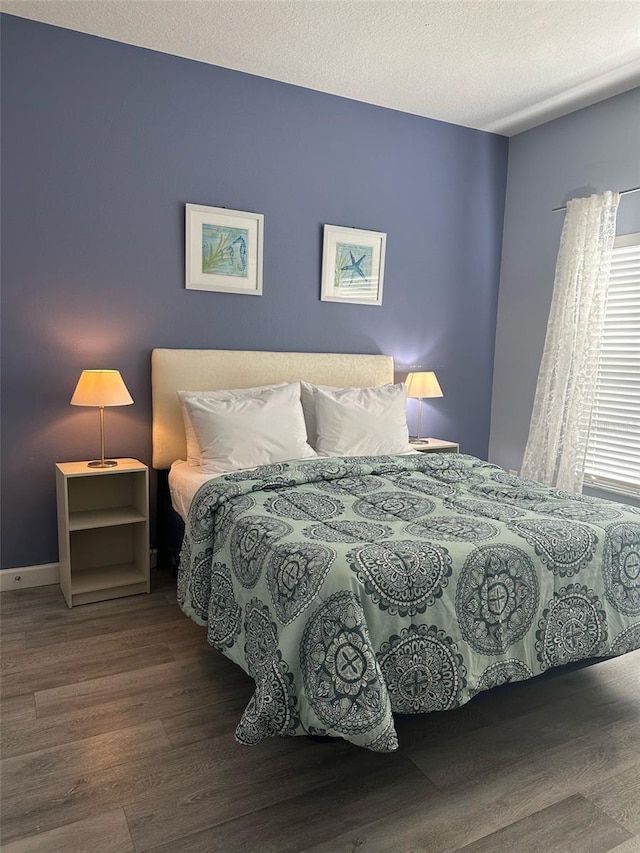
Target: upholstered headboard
210, 370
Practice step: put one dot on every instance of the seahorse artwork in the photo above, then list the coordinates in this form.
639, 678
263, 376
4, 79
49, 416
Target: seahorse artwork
243, 251
224, 250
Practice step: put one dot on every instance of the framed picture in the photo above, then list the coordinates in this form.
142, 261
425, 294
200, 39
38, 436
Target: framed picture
223, 250
352, 265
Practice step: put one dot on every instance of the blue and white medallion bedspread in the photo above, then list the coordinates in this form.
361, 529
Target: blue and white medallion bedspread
352, 588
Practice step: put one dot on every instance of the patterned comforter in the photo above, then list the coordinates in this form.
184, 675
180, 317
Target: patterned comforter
353, 588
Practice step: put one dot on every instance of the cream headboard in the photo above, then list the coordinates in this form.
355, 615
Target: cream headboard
210, 370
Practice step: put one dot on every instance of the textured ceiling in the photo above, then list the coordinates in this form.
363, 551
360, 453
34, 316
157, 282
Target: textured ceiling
497, 65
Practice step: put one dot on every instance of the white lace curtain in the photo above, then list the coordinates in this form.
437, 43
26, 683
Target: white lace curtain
558, 432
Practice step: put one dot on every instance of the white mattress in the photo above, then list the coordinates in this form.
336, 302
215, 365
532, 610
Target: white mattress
184, 482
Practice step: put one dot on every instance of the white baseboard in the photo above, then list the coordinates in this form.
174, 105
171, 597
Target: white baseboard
42, 575
27, 576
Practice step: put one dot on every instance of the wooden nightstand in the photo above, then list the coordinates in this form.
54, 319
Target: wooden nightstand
435, 445
103, 530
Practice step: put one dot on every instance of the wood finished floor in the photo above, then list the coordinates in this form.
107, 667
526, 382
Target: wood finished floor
117, 735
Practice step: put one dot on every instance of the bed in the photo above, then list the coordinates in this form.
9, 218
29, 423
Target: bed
353, 588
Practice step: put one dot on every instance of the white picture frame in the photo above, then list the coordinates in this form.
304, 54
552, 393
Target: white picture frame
223, 250
352, 265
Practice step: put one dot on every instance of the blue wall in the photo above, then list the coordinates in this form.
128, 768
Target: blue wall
588, 151
102, 145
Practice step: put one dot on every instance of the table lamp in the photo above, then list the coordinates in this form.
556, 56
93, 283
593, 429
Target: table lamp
101, 388
419, 386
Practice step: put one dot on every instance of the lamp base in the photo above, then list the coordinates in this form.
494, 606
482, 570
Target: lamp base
105, 463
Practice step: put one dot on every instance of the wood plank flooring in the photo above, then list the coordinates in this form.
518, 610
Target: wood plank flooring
116, 736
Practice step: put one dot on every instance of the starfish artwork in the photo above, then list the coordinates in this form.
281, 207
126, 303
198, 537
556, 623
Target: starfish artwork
354, 266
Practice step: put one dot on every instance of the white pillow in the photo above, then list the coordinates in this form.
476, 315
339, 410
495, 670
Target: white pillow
247, 431
362, 421
193, 448
309, 408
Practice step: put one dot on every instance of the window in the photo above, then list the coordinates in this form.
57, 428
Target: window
613, 447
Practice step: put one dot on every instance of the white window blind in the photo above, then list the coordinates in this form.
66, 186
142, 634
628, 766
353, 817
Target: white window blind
613, 449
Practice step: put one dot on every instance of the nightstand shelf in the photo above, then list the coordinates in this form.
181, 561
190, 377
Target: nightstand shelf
89, 584
434, 445
86, 519
103, 530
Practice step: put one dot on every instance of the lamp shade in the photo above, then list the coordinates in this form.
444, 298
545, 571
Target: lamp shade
101, 388
424, 384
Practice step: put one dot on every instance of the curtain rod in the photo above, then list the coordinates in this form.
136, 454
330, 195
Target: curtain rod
622, 192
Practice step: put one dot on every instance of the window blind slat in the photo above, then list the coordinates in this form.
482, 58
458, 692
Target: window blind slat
613, 447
